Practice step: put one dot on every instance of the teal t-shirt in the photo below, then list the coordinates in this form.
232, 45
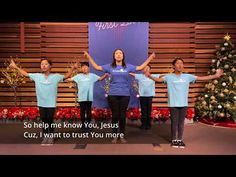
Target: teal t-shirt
178, 88
85, 84
146, 85
46, 88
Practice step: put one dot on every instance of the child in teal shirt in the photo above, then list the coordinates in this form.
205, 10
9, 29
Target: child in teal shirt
85, 82
147, 92
46, 92
178, 89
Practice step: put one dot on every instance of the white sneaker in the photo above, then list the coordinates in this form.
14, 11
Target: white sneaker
123, 140
50, 141
114, 141
44, 142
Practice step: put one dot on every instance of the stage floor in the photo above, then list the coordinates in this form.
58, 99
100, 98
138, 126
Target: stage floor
200, 139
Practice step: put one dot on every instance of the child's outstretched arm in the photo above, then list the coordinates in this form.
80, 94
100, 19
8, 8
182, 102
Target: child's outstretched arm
218, 74
160, 79
91, 60
70, 72
132, 74
103, 76
23, 72
152, 56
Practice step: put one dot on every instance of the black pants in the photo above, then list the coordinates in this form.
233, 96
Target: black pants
118, 105
85, 109
177, 115
146, 109
47, 115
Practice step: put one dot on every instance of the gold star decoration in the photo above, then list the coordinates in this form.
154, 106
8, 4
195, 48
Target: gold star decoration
227, 37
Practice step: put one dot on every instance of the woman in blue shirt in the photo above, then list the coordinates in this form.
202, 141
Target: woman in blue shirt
119, 93
46, 92
178, 89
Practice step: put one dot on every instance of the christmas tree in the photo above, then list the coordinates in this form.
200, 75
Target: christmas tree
218, 101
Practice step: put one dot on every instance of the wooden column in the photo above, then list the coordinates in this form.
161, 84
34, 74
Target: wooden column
22, 37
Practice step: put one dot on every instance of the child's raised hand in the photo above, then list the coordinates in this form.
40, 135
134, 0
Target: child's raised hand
148, 73
153, 55
75, 66
86, 54
13, 64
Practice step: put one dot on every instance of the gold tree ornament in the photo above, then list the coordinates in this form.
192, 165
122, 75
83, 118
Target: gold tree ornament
234, 85
226, 91
227, 37
222, 114
227, 105
215, 82
12, 76
213, 98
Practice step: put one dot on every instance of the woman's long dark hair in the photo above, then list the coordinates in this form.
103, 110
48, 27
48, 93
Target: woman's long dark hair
113, 65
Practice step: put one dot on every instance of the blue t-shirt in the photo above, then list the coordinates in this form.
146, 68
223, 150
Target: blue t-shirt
146, 85
119, 85
46, 88
85, 84
178, 88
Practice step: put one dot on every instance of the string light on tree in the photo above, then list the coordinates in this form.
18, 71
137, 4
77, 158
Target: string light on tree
222, 48
221, 95
222, 114
226, 66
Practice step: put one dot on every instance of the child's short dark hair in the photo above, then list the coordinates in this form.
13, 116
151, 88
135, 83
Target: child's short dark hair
176, 59
48, 60
84, 64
